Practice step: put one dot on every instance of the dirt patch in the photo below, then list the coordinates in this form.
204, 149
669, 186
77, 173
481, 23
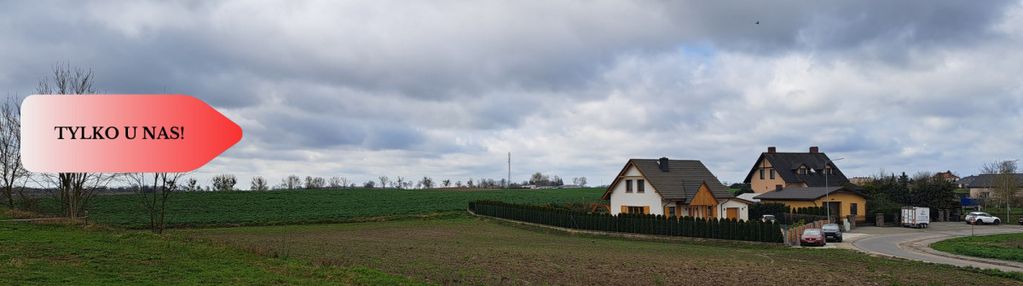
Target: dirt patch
481, 251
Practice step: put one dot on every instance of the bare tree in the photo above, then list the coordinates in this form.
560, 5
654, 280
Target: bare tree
258, 184
224, 182
400, 182
338, 182
314, 182
12, 172
153, 192
580, 181
426, 183
446, 183
291, 182
383, 181
1004, 184
73, 190
192, 185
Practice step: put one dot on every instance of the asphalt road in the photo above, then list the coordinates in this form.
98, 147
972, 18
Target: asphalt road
914, 244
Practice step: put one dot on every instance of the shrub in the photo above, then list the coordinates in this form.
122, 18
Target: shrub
632, 223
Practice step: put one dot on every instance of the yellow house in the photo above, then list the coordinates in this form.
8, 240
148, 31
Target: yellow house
844, 202
805, 179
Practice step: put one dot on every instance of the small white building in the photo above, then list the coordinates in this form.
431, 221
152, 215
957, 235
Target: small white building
673, 188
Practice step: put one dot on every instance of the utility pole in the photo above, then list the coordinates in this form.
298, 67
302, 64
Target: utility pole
507, 184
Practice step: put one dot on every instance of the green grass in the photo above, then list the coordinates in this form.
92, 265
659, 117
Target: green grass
313, 206
57, 254
999, 246
469, 250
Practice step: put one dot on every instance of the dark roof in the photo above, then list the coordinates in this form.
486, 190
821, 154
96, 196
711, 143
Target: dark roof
804, 194
987, 180
786, 164
680, 182
965, 181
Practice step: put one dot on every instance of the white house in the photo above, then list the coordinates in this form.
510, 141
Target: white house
674, 188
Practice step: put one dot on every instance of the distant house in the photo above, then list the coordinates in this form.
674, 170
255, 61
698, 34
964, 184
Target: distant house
947, 176
983, 185
859, 181
672, 188
805, 179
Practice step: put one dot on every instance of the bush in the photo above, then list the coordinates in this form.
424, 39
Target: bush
632, 223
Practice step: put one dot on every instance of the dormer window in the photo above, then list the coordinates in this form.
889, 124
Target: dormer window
801, 170
828, 170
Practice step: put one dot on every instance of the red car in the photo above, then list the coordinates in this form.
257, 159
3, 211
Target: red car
812, 236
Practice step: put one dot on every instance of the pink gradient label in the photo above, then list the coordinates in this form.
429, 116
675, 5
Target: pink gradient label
122, 133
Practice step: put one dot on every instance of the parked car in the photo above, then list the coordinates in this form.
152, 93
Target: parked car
812, 236
832, 232
768, 218
982, 218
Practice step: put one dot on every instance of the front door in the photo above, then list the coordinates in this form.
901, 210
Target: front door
732, 213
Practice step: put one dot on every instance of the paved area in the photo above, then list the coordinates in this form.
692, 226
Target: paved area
914, 244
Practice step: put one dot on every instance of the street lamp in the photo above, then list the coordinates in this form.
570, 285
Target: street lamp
827, 192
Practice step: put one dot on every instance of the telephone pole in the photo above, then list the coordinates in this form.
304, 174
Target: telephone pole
507, 184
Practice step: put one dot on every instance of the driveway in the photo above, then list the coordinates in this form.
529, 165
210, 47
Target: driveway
914, 244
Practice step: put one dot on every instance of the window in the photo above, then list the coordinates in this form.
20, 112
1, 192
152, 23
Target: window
772, 174
640, 186
628, 186
635, 210
852, 209
802, 170
671, 211
761, 174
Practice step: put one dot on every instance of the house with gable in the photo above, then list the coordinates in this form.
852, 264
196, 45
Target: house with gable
672, 188
805, 179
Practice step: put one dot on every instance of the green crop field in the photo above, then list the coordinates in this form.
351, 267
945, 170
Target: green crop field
314, 206
476, 251
999, 246
35, 254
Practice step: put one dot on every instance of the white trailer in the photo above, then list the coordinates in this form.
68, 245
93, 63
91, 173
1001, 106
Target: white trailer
917, 217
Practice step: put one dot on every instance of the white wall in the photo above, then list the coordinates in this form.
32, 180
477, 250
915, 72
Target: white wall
649, 198
743, 209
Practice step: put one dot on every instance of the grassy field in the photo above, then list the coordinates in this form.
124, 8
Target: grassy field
999, 246
468, 250
59, 254
314, 206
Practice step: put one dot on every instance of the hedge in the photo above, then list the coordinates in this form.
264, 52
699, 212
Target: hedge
633, 223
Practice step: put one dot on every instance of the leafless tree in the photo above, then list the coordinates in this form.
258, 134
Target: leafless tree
400, 182
1004, 184
12, 172
314, 182
153, 191
291, 182
73, 190
383, 181
338, 182
224, 182
258, 184
580, 181
426, 183
192, 185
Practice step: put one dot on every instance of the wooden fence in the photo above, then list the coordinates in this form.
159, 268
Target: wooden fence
792, 233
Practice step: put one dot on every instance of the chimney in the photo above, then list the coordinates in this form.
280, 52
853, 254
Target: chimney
771, 150
663, 164
814, 150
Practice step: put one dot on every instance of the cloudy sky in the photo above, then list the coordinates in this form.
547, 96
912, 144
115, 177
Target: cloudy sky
573, 88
